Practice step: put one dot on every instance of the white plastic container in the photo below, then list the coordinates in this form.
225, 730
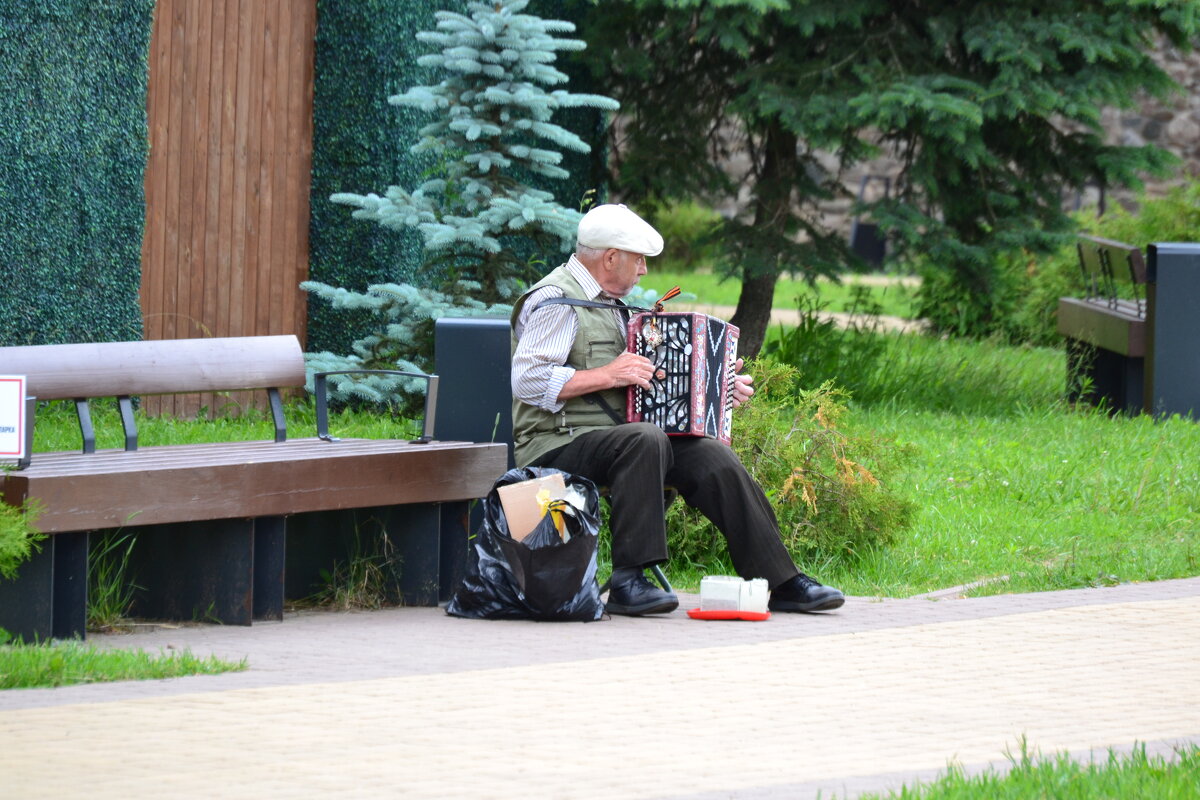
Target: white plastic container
728, 593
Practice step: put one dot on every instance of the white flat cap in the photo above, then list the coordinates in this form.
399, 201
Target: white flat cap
616, 226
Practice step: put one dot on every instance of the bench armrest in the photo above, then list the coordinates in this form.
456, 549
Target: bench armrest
321, 390
30, 418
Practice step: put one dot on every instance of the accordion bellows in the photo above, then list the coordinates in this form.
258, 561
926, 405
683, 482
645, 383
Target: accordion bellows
691, 392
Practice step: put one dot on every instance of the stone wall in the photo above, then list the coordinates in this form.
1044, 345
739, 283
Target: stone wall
1173, 125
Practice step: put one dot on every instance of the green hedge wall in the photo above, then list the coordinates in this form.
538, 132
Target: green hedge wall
366, 51
73, 145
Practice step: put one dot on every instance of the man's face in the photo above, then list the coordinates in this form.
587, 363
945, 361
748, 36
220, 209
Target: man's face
621, 271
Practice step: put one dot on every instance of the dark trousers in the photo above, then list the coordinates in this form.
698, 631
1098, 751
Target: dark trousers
637, 459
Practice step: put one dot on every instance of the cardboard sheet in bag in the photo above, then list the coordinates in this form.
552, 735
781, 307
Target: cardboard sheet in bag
519, 501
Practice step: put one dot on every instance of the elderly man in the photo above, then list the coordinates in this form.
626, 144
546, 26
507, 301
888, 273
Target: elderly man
570, 371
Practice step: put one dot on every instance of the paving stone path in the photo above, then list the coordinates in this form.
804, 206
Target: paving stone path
412, 703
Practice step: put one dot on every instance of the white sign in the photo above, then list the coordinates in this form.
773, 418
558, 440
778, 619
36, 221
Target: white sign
12, 416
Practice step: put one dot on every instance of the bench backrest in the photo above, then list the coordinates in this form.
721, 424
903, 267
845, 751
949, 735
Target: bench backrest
1104, 262
169, 366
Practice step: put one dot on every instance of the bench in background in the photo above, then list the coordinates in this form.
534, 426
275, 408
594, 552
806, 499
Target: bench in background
1106, 328
226, 531
1133, 339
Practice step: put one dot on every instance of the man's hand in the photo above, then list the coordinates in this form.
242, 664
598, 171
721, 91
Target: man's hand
627, 369
742, 390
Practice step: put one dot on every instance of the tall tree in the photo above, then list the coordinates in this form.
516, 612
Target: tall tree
991, 109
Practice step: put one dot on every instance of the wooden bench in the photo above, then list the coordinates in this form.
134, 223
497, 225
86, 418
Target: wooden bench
225, 531
1108, 329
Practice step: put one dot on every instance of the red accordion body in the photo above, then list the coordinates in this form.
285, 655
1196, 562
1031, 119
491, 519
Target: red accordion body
691, 392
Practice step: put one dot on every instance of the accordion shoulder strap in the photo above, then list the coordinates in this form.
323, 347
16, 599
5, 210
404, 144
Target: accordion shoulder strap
596, 398
570, 301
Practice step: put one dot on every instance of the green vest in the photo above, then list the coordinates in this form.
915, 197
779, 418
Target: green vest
537, 431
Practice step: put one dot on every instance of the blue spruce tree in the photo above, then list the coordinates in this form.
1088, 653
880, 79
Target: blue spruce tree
482, 223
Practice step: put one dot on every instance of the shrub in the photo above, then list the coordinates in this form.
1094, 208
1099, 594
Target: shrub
690, 232
821, 349
19, 536
952, 306
828, 488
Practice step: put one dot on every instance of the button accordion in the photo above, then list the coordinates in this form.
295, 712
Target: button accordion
691, 392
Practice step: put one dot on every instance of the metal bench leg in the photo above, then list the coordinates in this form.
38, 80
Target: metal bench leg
48, 597
270, 558
662, 578
456, 524
408, 553
200, 571
415, 533
27, 601
70, 585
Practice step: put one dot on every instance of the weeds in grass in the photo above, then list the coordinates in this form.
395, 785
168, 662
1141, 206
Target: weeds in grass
1133, 775
366, 579
110, 591
823, 350
25, 666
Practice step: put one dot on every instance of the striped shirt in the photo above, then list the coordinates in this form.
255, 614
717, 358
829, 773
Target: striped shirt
544, 340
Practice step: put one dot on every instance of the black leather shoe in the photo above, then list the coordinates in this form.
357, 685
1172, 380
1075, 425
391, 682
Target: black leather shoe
638, 597
802, 593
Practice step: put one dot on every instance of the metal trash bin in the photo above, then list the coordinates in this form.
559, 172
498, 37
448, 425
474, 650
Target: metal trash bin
1173, 339
473, 363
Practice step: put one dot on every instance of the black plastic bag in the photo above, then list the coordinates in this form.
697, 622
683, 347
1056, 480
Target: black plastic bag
542, 577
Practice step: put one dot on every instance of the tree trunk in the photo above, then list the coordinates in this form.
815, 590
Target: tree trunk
772, 211
753, 314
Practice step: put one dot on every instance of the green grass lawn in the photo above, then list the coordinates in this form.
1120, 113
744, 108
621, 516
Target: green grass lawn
1013, 486
894, 296
56, 428
1036, 500
1135, 775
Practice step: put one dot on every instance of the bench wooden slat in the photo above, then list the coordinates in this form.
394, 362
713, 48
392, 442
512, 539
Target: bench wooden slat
1121, 330
111, 369
251, 482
